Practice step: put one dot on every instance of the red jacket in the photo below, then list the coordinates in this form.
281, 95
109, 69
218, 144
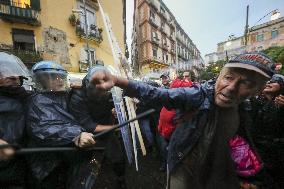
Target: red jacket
166, 125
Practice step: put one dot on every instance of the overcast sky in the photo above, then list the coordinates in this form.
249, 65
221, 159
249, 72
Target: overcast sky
209, 22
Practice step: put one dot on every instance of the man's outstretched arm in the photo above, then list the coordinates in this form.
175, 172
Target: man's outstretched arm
182, 98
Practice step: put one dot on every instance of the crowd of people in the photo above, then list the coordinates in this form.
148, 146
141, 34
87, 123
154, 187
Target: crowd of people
224, 133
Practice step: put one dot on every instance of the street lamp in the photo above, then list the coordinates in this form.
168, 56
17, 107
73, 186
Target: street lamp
84, 13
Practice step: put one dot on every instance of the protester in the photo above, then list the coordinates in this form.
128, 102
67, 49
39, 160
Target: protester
165, 80
199, 155
267, 133
93, 109
12, 120
186, 77
49, 124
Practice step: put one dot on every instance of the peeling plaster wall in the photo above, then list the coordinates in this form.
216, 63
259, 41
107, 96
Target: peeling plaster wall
55, 45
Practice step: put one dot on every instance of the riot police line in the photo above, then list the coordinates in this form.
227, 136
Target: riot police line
51, 124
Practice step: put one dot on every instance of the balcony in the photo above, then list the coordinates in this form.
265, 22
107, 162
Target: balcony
163, 30
158, 62
172, 23
29, 58
153, 22
95, 33
164, 14
165, 46
14, 12
154, 4
155, 40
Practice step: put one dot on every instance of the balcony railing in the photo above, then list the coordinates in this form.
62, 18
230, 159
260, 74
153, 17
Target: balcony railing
153, 22
95, 33
165, 46
155, 40
14, 12
164, 14
29, 58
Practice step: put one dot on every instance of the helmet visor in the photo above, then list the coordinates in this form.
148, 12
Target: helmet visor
50, 81
12, 66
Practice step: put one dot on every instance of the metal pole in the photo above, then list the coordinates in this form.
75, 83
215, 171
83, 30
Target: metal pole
246, 27
87, 35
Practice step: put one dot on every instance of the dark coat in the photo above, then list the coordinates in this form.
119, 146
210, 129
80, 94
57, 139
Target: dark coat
90, 112
49, 124
12, 126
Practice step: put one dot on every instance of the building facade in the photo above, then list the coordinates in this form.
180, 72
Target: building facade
269, 34
37, 30
260, 37
158, 41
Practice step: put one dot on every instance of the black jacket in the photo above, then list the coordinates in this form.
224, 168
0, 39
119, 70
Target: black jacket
49, 124
12, 126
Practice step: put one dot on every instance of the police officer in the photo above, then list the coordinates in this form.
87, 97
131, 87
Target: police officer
93, 109
12, 120
50, 124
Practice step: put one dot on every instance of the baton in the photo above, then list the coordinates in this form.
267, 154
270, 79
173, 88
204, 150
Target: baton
68, 149
56, 149
125, 123
20, 151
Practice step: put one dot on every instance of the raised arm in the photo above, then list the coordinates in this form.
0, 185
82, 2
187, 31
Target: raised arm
182, 98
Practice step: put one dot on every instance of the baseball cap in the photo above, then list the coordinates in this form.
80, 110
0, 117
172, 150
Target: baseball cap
257, 62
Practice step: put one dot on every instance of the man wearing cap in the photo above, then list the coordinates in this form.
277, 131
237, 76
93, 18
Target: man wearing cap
198, 155
165, 80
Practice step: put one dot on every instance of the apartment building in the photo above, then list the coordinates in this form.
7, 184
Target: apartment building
260, 37
158, 41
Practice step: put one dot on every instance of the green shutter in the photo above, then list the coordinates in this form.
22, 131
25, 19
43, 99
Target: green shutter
35, 4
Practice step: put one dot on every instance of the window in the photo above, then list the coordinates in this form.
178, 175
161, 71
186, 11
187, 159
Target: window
274, 34
154, 36
20, 3
163, 25
172, 46
259, 37
84, 55
163, 10
92, 56
155, 52
172, 32
164, 41
23, 39
91, 17
152, 14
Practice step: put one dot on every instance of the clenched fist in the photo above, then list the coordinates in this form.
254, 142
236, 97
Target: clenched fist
84, 140
5, 153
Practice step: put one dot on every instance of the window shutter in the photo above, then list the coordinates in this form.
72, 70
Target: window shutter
35, 4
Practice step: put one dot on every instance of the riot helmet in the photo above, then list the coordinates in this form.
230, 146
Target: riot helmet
13, 72
91, 90
49, 77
